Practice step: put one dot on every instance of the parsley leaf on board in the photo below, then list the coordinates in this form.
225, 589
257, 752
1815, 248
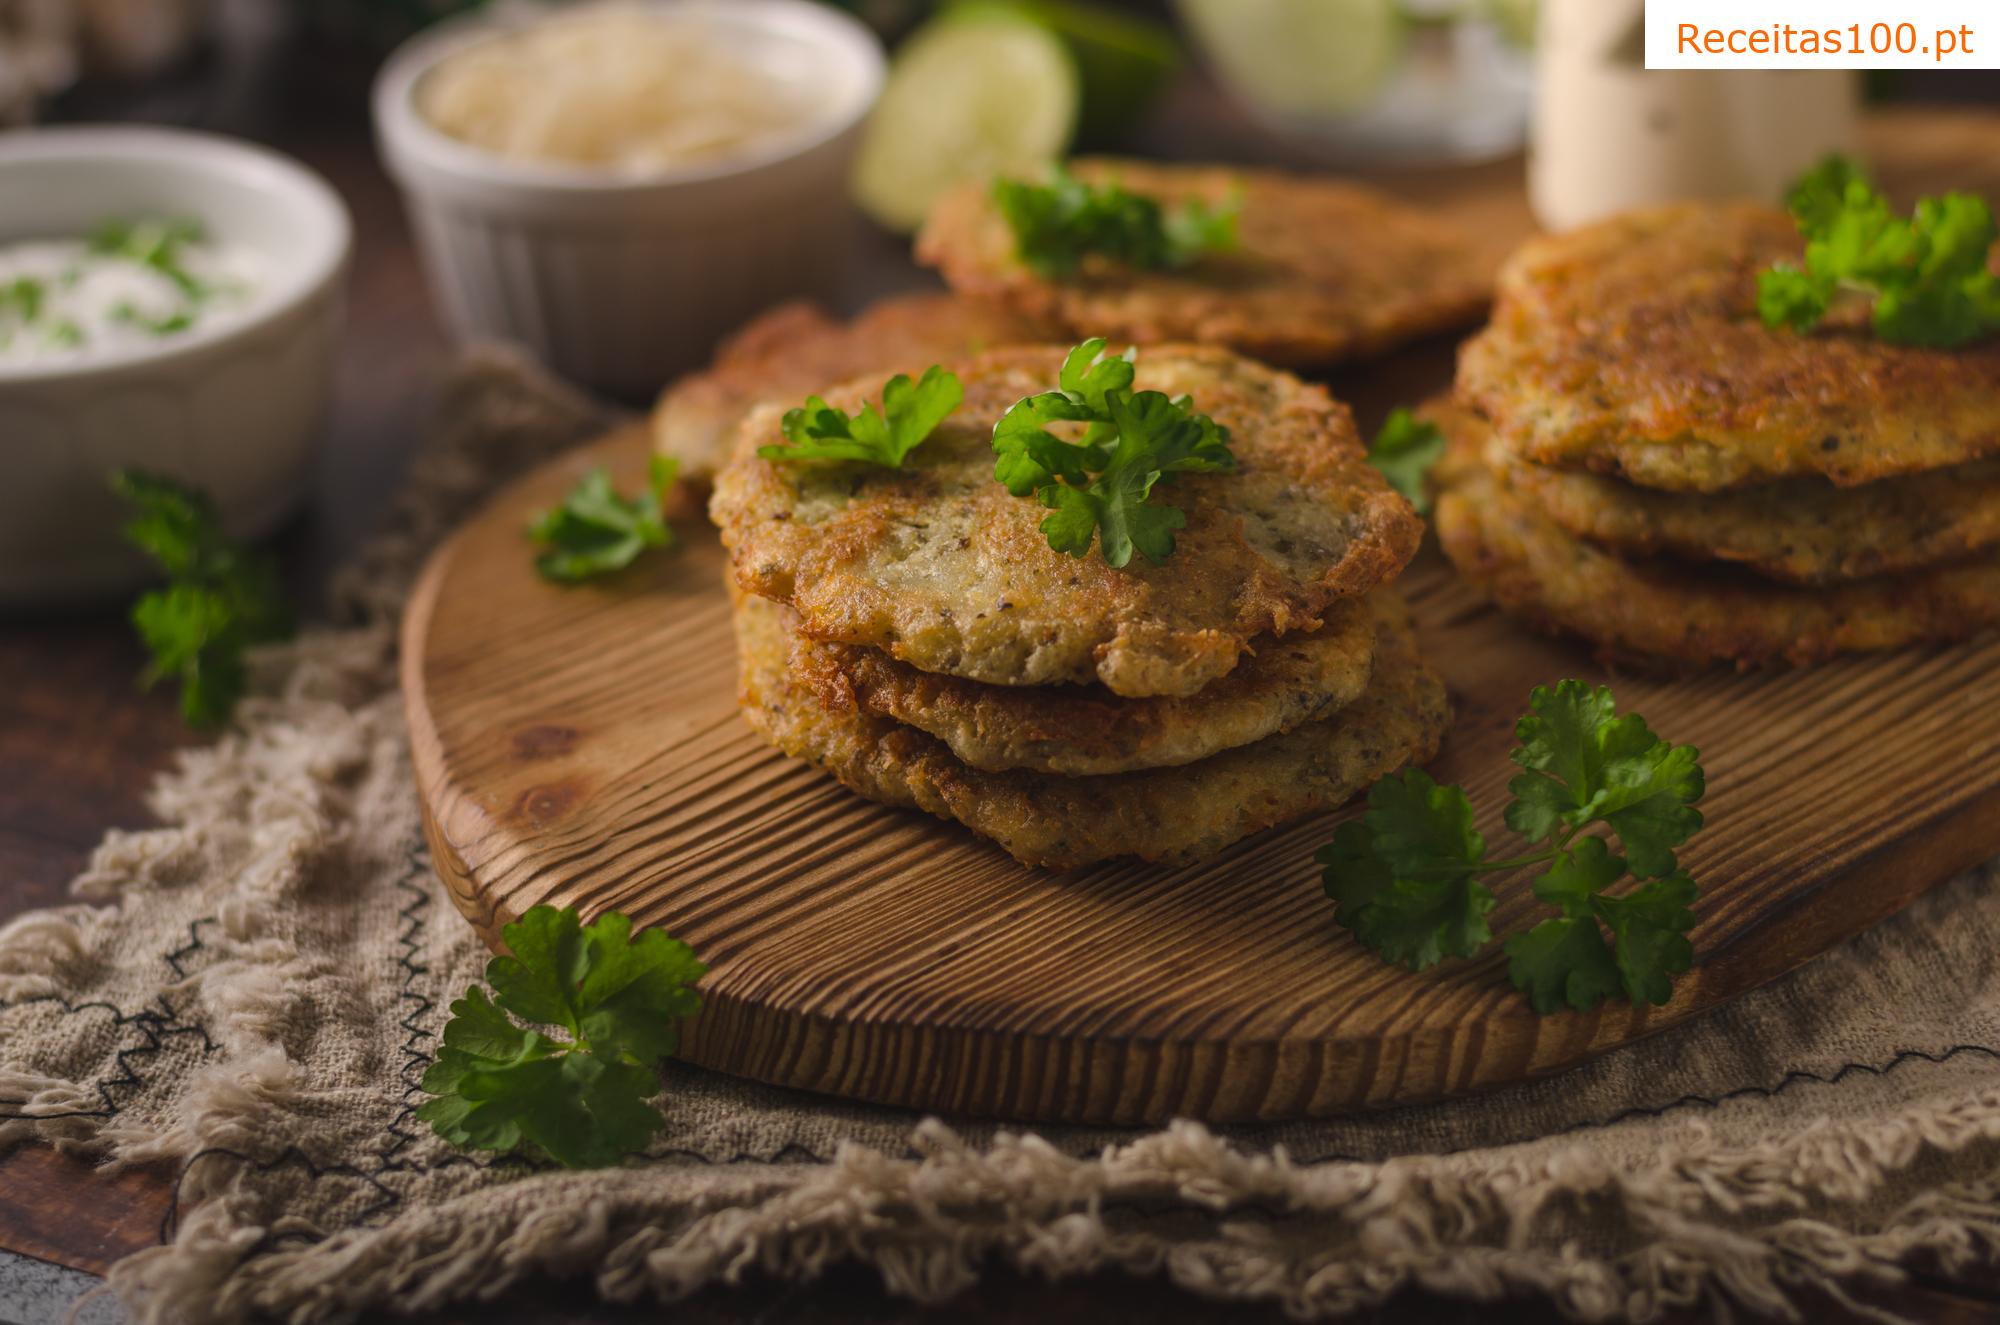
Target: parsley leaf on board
595, 531
1099, 486
1928, 275
1057, 224
1405, 877
220, 598
498, 1085
1404, 449
908, 414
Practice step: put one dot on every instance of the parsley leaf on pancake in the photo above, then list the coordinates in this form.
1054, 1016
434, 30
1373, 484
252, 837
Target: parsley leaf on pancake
1099, 485
499, 1085
909, 413
1405, 877
1928, 275
1057, 224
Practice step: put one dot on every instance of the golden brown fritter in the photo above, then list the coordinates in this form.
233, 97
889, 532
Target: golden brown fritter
1801, 531
1165, 814
1085, 731
1633, 348
1658, 612
939, 565
1325, 270
795, 349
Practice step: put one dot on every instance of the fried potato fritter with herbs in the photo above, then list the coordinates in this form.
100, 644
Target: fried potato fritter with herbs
1633, 348
937, 564
1083, 731
1170, 815
1802, 531
1323, 271
795, 349
1659, 612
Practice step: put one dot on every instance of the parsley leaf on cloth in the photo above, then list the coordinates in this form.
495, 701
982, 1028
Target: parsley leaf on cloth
595, 531
499, 1085
1099, 486
909, 414
220, 597
1405, 877
1928, 275
1404, 450
1057, 224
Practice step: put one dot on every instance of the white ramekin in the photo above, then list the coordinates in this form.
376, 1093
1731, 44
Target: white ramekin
616, 280
234, 408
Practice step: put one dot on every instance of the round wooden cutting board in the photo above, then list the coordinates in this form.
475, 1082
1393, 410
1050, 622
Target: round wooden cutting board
581, 746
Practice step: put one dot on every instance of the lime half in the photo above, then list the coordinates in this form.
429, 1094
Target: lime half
1124, 60
1303, 58
968, 97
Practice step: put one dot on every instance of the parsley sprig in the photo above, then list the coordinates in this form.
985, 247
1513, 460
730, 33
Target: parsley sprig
220, 597
1404, 450
1927, 274
1405, 876
909, 413
595, 531
1056, 224
1099, 486
500, 1085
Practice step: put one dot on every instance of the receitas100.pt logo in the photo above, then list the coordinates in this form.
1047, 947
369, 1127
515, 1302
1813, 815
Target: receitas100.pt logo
1822, 34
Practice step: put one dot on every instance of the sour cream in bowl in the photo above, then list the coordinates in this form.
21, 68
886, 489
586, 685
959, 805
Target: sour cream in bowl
617, 184
168, 301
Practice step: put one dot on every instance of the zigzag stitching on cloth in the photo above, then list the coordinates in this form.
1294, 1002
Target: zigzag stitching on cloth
155, 1026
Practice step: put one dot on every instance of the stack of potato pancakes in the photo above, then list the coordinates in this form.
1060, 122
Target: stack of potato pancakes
912, 631
1638, 459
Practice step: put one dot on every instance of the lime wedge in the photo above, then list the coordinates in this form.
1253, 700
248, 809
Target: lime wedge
1301, 57
968, 97
1124, 60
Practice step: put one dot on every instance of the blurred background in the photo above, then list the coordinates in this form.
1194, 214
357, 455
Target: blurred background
1415, 80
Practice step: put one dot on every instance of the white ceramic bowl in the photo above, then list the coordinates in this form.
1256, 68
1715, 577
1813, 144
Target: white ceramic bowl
234, 407
617, 280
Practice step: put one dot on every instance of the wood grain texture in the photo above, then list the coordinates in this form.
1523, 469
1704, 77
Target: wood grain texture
581, 746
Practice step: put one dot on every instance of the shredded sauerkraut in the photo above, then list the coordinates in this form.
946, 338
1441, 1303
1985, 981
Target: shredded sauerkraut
635, 90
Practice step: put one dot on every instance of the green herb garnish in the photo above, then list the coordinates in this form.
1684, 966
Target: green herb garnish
500, 1085
165, 325
1404, 450
1099, 485
23, 295
220, 598
1928, 274
1405, 876
595, 531
155, 244
1056, 224
909, 414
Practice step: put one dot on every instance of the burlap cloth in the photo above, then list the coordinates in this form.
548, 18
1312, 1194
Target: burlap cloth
254, 990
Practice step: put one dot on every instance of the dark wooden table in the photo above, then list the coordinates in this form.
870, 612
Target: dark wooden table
79, 744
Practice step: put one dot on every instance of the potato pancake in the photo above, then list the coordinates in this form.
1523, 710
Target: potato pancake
1660, 612
1633, 348
1324, 270
1172, 815
937, 564
1084, 731
1801, 531
796, 349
